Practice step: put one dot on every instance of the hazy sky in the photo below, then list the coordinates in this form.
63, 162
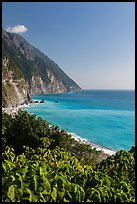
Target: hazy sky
94, 43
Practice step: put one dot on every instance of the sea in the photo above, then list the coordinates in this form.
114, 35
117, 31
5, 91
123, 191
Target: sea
105, 118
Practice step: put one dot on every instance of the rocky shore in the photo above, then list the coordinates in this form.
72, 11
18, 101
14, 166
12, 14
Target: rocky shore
13, 111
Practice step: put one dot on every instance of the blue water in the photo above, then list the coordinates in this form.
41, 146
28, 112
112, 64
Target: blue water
104, 117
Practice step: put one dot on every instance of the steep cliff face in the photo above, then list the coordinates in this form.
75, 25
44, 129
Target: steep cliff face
41, 74
14, 88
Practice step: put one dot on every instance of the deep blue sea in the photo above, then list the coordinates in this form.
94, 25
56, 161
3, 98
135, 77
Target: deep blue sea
103, 117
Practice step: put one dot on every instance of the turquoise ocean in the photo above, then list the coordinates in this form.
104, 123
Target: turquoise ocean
103, 117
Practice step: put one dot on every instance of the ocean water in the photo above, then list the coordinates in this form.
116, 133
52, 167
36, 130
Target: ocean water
103, 117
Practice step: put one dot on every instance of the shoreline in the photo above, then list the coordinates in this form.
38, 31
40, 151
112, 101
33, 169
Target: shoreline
13, 112
93, 145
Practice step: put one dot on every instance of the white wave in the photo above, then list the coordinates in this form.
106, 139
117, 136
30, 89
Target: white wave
97, 147
36, 99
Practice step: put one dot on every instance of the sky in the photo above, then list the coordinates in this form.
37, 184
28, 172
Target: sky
92, 42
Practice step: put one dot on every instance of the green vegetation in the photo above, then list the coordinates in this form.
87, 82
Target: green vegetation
16, 72
41, 163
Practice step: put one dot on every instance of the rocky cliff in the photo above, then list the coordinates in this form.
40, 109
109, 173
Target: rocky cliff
38, 73
15, 90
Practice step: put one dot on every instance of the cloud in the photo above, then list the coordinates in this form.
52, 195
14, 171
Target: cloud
17, 29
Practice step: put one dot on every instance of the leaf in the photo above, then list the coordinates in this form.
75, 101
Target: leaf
82, 192
4, 167
41, 171
75, 190
79, 196
84, 182
47, 185
61, 194
13, 178
30, 194
41, 196
11, 192
20, 192
20, 178
54, 194
96, 177
35, 181
65, 200
69, 195
34, 198
24, 171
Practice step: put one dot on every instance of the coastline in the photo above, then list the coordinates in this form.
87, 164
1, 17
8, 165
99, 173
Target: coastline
13, 112
97, 147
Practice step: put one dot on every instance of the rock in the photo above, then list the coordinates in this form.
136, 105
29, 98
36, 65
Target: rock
32, 101
42, 101
36, 101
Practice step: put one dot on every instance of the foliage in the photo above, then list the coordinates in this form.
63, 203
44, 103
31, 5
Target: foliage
26, 130
33, 132
47, 170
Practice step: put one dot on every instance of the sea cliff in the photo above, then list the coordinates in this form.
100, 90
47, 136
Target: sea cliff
26, 70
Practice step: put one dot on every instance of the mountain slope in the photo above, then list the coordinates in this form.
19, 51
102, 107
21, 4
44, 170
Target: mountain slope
40, 73
14, 87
